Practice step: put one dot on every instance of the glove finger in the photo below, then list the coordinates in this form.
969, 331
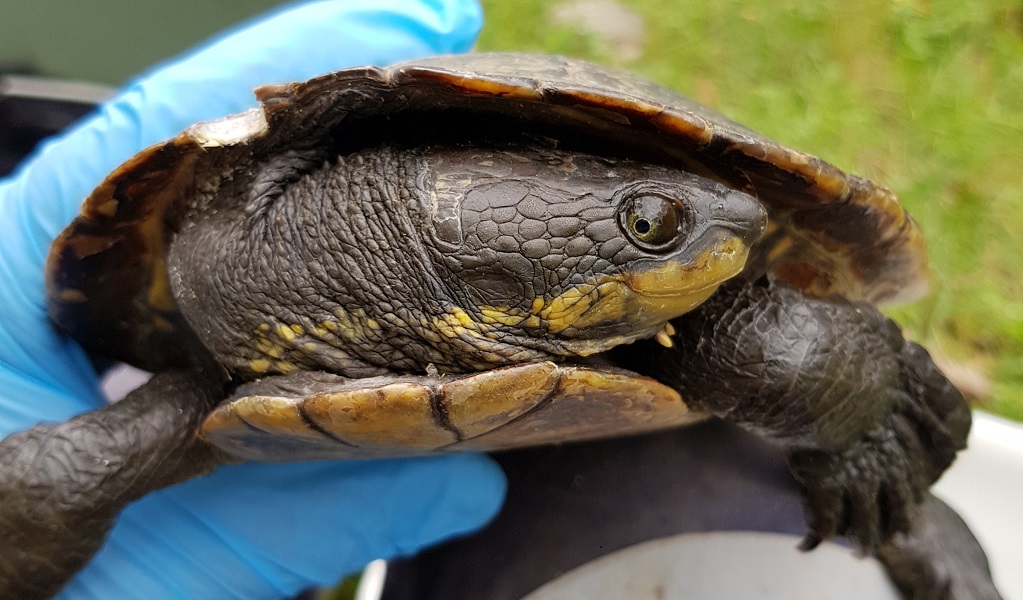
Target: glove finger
212, 82
286, 527
25, 402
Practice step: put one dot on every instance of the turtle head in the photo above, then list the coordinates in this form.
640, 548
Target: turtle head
585, 252
463, 258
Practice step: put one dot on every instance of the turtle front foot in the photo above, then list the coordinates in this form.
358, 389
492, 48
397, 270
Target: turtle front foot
870, 490
867, 421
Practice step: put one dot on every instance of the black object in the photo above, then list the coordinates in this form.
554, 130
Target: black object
34, 108
568, 505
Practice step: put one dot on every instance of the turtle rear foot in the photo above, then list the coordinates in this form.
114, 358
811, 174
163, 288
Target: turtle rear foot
77, 476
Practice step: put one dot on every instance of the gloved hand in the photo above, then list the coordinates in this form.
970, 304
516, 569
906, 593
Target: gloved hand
248, 531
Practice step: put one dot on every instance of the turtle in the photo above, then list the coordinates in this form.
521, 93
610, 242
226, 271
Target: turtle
488, 251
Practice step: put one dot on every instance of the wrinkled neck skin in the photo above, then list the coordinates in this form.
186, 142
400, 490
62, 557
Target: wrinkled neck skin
394, 260
331, 273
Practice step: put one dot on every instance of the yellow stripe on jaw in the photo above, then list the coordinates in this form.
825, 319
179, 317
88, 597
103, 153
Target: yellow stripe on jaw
673, 289
567, 309
642, 299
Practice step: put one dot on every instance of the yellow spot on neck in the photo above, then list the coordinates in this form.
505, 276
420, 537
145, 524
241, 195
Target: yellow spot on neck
285, 366
462, 317
500, 314
259, 365
269, 348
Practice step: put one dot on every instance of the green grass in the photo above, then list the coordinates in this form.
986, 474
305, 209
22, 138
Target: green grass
924, 96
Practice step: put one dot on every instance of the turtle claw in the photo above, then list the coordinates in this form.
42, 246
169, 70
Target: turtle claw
810, 541
868, 493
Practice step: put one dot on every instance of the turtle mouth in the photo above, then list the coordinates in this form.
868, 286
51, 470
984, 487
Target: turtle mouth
673, 288
639, 304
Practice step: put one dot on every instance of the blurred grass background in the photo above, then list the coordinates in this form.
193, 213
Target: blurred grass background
925, 96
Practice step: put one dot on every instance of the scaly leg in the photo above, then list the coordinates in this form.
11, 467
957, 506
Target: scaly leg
63, 485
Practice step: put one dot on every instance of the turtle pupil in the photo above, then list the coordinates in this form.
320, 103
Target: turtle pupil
642, 226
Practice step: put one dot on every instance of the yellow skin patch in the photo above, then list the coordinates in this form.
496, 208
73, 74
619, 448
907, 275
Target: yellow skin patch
501, 315
588, 306
353, 326
259, 365
676, 283
566, 309
274, 342
285, 366
286, 332
578, 306
457, 323
671, 290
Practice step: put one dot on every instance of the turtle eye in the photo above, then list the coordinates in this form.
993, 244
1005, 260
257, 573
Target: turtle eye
652, 222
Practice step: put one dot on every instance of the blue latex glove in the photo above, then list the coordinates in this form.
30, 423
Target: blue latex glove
248, 531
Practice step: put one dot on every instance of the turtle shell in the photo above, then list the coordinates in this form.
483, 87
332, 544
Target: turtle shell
830, 232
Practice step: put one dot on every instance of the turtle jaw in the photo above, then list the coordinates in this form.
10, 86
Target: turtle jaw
639, 304
671, 289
